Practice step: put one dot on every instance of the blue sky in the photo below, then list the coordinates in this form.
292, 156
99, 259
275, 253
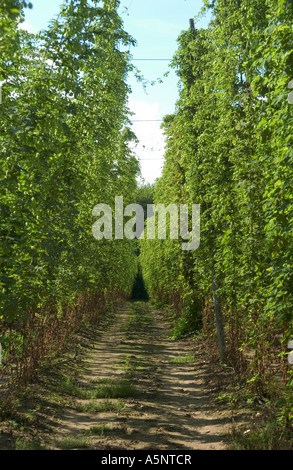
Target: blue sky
155, 25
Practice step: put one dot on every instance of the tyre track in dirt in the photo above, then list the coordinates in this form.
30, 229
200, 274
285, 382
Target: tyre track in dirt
173, 410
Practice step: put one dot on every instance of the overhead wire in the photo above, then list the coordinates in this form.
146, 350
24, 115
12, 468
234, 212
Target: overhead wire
147, 120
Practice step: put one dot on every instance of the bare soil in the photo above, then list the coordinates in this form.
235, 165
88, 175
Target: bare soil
170, 402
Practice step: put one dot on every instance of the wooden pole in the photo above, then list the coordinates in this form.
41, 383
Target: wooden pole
218, 308
191, 24
219, 321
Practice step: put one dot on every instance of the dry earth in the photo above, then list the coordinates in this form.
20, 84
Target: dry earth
141, 390
176, 409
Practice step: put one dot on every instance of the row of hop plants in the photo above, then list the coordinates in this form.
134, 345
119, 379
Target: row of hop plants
229, 149
64, 139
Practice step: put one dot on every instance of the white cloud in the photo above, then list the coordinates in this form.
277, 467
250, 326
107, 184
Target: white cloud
150, 149
25, 26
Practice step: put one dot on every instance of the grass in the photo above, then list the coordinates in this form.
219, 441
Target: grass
188, 324
100, 430
27, 445
189, 358
105, 389
82, 441
99, 407
70, 443
114, 389
138, 319
68, 387
270, 436
130, 365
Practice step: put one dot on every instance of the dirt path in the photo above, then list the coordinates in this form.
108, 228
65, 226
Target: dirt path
141, 390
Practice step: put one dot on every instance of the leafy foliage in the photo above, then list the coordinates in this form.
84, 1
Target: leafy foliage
64, 148
229, 149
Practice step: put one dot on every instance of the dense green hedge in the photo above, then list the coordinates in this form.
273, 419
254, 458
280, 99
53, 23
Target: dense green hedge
64, 133
229, 149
